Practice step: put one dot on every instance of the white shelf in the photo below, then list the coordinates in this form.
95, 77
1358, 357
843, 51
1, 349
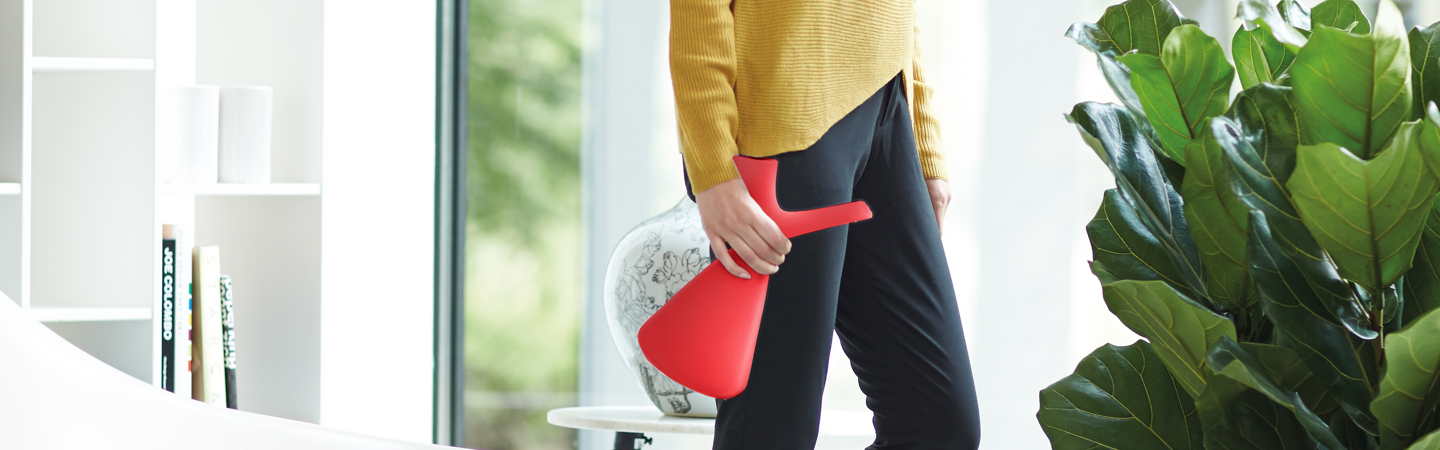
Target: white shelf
9, 188
276, 189
56, 64
80, 314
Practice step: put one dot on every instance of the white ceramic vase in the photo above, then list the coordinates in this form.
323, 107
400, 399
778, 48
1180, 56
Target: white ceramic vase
651, 262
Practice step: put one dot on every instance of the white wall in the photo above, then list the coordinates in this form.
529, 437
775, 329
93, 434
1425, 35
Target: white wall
276, 43
377, 356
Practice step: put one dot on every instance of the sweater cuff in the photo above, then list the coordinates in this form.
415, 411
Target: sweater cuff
933, 169
932, 161
707, 169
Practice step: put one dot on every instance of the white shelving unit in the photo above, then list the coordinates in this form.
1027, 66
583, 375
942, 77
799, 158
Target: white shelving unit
63, 314
60, 64
82, 202
270, 189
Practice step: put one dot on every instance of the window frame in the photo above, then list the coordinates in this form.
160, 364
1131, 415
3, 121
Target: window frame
450, 212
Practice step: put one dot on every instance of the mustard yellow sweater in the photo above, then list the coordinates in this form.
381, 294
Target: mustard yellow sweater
764, 77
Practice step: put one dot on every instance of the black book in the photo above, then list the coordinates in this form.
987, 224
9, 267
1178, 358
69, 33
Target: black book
167, 309
227, 330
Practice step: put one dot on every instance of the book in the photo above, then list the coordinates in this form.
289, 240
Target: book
208, 376
167, 321
227, 326
183, 282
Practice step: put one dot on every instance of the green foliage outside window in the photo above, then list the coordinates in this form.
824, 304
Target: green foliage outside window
522, 284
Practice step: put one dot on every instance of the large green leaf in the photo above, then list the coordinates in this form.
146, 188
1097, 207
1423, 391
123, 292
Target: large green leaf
1344, 363
1425, 65
1259, 57
1429, 137
1217, 220
1340, 14
1183, 87
1288, 370
1180, 330
1281, 22
1258, 170
1126, 248
1141, 25
1216, 215
1135, 25
1349, 433
1429, 442
1366, 214
1422, 282
1410, 390
1265, 121
1119, 398
1236, 418
1228, 416
1095, 39
1353, 90
1120, 141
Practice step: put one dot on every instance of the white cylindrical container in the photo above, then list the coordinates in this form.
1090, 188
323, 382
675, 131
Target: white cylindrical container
245, 113
189, 134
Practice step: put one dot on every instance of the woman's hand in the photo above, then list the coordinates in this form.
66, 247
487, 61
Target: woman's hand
939, 199
730, 216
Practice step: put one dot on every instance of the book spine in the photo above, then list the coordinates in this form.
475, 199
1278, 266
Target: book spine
167, 311
209, 375
227, 324
183, 281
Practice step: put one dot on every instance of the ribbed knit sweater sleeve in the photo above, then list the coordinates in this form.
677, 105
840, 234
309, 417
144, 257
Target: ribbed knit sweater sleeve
927, 128
703, 67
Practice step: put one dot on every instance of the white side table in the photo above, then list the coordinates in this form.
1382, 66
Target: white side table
630, 423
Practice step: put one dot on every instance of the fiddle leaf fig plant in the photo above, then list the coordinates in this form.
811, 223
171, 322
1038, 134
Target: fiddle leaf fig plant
1278, 249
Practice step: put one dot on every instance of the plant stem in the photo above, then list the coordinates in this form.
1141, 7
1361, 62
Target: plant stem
1377, 319
1379, 344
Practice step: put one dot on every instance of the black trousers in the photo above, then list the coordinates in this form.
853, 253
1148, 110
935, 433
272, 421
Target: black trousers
883, 285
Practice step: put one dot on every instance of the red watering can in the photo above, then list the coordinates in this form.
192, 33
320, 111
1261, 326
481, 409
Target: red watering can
704, 336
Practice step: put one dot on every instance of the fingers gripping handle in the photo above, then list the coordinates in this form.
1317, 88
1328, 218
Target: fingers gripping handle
759, 177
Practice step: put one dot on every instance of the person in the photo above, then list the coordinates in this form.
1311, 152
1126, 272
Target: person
834, 90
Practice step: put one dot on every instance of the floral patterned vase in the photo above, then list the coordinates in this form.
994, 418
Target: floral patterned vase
651, 262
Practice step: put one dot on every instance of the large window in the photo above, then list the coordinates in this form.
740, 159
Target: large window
524, 244
522, 275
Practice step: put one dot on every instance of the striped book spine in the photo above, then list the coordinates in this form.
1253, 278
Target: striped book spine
227, 327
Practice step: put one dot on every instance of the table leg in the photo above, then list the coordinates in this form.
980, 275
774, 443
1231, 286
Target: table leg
625, 440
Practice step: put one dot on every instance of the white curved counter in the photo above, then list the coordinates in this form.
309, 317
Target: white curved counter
55, 396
